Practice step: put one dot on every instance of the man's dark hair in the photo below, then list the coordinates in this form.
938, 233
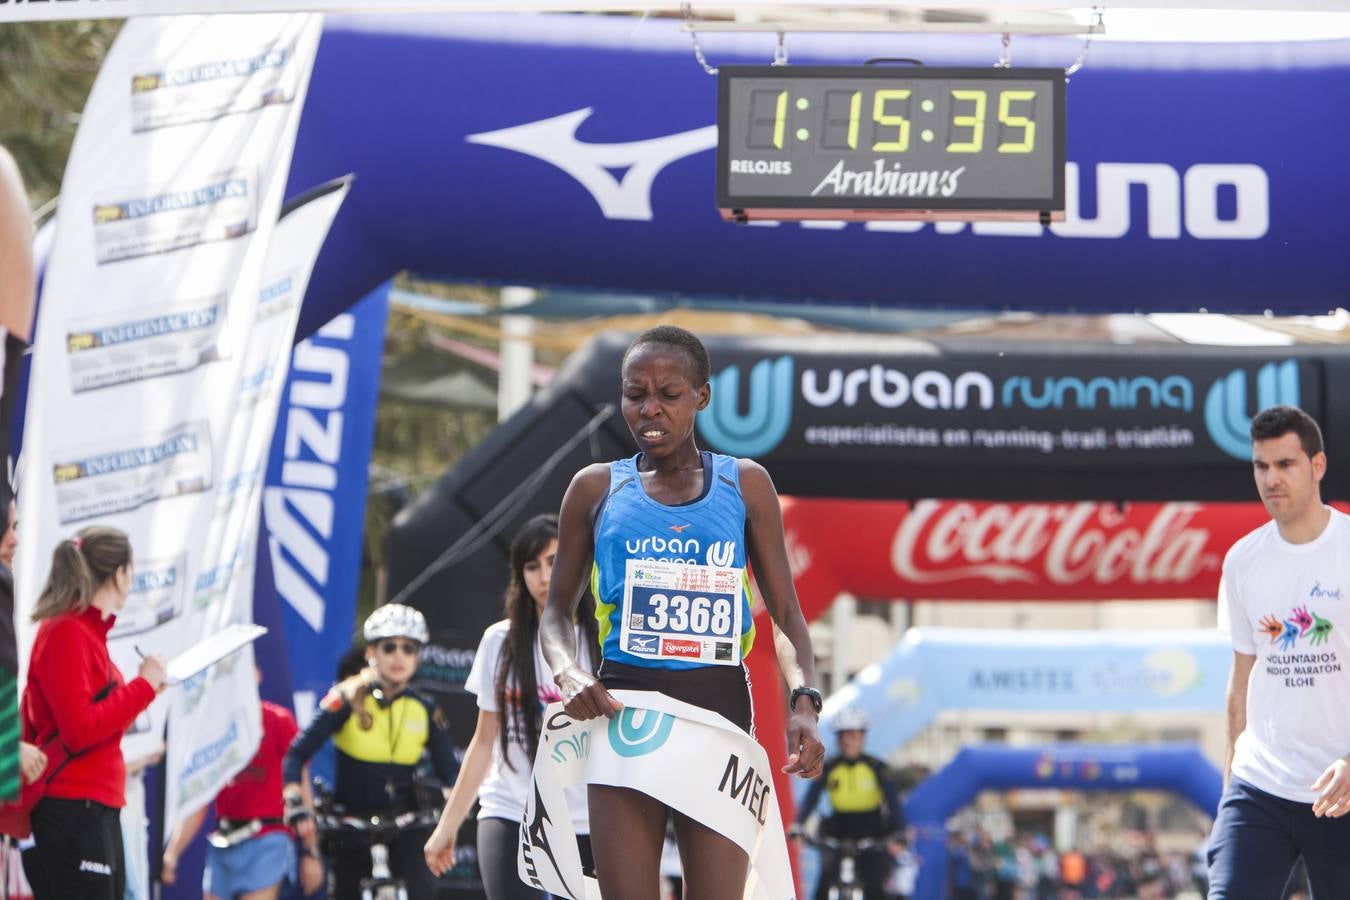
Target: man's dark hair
1277, 421
680, 339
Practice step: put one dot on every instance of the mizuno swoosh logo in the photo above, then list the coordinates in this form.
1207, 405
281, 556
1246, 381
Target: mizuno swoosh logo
625, 196
678, 529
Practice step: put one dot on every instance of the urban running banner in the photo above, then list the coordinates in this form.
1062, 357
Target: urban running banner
315, 498
165, 330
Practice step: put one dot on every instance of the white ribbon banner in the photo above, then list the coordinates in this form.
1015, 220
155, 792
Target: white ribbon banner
692, 760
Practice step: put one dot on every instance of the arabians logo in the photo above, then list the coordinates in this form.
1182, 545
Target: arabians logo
1228, 412
637, 732
765, 421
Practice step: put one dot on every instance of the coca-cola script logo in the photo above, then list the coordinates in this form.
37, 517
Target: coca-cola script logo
1060, 544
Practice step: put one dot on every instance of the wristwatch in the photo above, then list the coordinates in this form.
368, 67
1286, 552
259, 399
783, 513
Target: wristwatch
809, 692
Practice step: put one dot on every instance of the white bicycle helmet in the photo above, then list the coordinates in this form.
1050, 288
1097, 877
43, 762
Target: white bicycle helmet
395, 620
851, 719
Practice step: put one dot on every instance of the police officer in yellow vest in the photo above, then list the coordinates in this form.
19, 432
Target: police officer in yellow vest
863, 804
380, 728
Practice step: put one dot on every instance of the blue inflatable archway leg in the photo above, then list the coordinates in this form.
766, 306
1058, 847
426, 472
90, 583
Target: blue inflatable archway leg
1181, 769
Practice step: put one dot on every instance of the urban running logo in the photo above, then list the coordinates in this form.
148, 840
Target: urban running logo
765, 421
1226, 407
631, 736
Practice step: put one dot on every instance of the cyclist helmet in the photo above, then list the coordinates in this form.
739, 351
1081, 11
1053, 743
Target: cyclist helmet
851, 719
395, 620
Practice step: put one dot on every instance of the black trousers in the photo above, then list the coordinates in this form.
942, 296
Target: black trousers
78, 853
498, 842
348, 861
1257, 839
873, 866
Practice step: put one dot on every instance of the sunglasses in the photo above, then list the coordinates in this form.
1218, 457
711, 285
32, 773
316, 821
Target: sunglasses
408, 647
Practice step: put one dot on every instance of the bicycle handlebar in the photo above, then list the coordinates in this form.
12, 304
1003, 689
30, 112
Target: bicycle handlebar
332, 822
848, 845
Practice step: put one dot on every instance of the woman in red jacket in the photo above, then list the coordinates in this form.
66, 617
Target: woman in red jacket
76, 707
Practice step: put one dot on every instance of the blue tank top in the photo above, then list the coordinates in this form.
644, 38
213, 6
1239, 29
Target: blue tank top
670, 582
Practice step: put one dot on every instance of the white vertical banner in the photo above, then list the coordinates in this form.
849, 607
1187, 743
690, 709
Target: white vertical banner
205, 745
161, 346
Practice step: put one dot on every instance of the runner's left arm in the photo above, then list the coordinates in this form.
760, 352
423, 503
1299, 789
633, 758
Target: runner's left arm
768, 560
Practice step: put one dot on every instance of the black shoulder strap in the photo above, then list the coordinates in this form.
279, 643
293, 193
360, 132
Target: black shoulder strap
56, 735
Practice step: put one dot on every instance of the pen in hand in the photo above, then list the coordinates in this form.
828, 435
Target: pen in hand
152, 669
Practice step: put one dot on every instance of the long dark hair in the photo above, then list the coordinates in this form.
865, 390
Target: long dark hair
80, 566
517, 660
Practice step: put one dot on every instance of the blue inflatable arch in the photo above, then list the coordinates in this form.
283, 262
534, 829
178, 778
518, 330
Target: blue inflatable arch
577, 151
1183, 770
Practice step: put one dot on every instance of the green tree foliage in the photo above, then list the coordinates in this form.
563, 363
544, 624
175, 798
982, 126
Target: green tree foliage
46, 71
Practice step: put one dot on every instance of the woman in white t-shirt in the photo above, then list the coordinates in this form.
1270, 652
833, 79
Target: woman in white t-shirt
510, 666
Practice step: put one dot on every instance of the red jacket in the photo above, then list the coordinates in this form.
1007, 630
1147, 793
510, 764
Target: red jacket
68, 667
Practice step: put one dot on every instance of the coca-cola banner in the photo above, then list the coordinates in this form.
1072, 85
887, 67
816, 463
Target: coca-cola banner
936, 549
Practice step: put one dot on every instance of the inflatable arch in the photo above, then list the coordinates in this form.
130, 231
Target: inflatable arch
1184, 770
934, 669
577, 151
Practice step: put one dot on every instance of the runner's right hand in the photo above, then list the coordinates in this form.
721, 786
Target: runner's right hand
152, 670
583, 696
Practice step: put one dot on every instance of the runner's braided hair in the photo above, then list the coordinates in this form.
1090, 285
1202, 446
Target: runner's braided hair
517, 688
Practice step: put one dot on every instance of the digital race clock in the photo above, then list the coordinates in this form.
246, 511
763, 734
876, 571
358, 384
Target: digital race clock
869, 142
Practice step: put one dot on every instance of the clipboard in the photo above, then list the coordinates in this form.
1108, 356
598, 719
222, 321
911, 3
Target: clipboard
212, 650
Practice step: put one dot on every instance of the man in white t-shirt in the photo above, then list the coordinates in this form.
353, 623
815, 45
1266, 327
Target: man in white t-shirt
1285, 603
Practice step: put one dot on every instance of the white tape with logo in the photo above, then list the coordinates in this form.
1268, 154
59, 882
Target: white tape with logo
690, 759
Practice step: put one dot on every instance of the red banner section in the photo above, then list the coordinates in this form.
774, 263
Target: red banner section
955, 550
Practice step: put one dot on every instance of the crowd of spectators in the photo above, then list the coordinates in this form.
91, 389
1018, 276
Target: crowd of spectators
1027, 867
